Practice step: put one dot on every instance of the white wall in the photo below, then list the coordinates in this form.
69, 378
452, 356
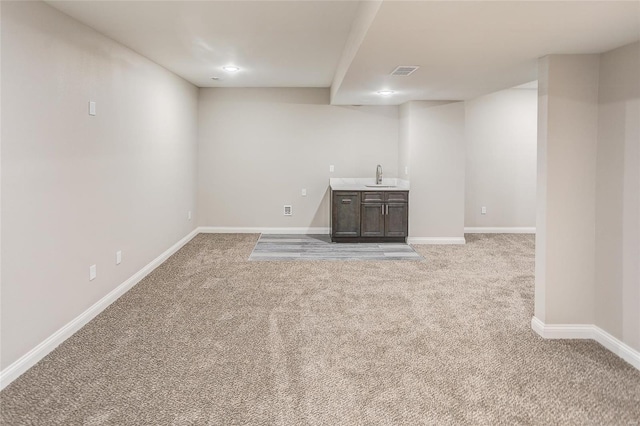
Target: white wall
77, 188
567, 140
258, 148
617, 260
404, 155
433, 148
588, 230
501, 140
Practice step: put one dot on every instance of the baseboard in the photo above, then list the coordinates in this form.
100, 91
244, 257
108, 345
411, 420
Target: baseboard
29, 359
587, 331
562, 331
262, 230
436, 240
500, 230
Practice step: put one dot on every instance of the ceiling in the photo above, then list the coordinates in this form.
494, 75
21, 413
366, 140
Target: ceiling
467, 49
464, 49
276, 43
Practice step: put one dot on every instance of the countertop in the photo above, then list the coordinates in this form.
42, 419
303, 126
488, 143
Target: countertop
368, 184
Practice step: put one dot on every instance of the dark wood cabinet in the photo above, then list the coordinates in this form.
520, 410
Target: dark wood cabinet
369, 216
345, 214
372, 220
396, 220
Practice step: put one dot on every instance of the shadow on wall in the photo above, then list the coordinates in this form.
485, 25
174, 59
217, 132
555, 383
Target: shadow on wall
321, 216
292, 96
276, 95
371, 110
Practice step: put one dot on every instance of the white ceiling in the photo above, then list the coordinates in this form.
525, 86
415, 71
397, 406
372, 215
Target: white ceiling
276, 43
464, 49
467, 49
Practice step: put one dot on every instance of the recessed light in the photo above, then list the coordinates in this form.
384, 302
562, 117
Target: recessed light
231, 68
385, 92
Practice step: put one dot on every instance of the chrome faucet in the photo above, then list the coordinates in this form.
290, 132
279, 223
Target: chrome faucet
379, 175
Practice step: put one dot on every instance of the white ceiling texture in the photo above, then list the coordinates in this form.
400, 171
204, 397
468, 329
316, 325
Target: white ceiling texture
463, 48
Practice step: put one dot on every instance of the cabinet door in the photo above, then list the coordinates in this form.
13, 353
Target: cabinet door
396, 219
396, 197
372, 220
372, 197
345, 214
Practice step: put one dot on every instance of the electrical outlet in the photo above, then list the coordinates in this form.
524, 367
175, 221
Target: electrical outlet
331, 168
118, 257
288, 211
484, 210
304, 192
406, 170
92, 272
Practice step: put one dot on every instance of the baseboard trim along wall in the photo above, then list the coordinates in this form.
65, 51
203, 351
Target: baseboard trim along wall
32, 357
436, 240
500, 230
262, 230
587, 331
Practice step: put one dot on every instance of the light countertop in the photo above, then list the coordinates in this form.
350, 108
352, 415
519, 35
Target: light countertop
368, 184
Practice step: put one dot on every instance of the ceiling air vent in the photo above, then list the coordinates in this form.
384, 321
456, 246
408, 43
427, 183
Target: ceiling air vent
404, 70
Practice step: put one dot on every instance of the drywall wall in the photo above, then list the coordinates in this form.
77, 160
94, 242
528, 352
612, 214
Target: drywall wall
501, 143
433, 149
404, 129
258, 148
565, 230
77, 188
540, 270
617, 257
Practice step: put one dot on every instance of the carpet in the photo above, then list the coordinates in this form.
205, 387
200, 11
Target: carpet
319, 247
211, 338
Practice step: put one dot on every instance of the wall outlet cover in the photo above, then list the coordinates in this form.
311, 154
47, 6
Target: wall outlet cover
288, 211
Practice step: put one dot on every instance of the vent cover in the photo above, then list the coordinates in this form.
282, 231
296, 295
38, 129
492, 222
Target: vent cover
404, 70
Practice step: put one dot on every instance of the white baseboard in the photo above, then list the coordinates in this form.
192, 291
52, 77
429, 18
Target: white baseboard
29, 359
436, 240
587, 331
262, 230
499, 230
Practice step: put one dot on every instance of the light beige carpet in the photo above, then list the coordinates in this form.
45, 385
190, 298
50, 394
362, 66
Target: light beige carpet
210, 338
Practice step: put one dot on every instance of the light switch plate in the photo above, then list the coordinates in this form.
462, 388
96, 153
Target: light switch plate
92, 108
118, 257
331, 168
304, 192
92, 272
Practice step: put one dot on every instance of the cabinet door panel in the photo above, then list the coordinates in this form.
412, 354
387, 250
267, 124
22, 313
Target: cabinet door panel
396, 197
372, 220
397, 220
345, 215
372, 197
